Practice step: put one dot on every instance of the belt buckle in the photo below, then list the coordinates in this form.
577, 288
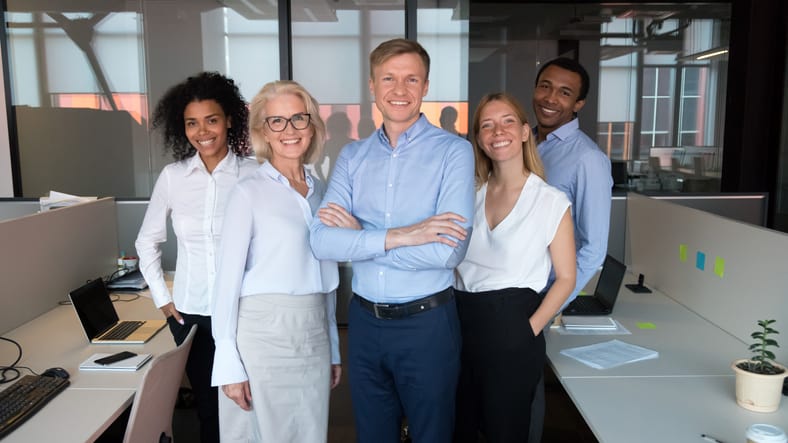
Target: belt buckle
375, 309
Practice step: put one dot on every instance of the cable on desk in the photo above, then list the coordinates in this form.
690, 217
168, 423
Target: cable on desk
12, 369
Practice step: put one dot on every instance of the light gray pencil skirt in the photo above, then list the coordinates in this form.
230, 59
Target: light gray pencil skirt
284, 345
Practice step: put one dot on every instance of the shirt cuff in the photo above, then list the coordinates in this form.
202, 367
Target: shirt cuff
227, 365
160, 293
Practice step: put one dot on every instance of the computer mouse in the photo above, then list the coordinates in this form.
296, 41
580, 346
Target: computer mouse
56, 372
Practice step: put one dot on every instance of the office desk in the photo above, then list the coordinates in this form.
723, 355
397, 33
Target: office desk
95, 398
687, 391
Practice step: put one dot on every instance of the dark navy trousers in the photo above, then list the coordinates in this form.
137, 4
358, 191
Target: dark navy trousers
406, 366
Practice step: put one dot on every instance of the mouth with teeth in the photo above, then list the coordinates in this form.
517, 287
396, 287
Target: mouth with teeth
548, 112
501, 144
398, 103
206, 142
290, 142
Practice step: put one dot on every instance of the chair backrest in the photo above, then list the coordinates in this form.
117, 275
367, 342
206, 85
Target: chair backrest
154, 402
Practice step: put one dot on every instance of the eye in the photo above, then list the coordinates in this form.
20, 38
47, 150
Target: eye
486, 125
509, 121
190, 124
213, 121
298, 118
276, 121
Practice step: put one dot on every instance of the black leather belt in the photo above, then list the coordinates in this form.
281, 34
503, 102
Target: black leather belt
392, 311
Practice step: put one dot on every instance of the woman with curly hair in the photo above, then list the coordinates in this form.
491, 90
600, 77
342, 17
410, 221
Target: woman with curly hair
204, 121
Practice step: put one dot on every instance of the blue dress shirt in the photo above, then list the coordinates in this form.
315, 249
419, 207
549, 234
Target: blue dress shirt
574, 164
429, 172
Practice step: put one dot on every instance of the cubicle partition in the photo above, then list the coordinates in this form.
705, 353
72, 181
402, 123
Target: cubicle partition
729, 272
47, 254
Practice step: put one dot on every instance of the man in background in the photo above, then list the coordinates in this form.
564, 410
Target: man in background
574, 164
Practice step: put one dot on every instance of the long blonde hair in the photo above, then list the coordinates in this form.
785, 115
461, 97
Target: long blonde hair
531, 160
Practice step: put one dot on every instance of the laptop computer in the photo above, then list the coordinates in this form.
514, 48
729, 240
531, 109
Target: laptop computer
100, 320
605, 294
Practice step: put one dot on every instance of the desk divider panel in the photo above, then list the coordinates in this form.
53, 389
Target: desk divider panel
46, 255
729, 272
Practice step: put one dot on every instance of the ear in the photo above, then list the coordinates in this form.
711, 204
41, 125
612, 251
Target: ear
372, 87
579, 105
426, 88
229, 122
526, 132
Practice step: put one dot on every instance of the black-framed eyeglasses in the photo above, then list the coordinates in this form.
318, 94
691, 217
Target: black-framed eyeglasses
278, 124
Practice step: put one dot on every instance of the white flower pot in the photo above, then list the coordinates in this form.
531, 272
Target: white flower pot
758, 392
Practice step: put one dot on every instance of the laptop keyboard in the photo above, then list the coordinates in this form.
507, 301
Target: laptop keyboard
122, 330
25, 397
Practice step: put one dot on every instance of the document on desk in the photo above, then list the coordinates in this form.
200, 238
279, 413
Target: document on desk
610, 354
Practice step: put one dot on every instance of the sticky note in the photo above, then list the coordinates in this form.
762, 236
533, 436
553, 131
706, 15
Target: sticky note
719, 266
700, 260
646, 325
683, 252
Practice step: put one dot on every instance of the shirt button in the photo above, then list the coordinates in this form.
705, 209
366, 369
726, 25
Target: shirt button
390, 185
380, 273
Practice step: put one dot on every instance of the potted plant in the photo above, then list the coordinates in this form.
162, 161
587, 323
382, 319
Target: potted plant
759, 379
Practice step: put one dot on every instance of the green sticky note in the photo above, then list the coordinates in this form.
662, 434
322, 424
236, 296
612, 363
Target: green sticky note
719, 266
646, 325
683, 252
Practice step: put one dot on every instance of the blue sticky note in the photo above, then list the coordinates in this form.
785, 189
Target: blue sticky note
700, 260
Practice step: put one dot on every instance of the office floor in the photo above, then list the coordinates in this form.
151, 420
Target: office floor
562, 422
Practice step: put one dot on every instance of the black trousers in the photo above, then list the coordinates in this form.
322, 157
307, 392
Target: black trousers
198, 369
501, 363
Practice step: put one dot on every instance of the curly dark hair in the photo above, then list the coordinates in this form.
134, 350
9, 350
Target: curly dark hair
203, 86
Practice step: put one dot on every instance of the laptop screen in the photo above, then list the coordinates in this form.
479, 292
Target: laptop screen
609, 282
94, 307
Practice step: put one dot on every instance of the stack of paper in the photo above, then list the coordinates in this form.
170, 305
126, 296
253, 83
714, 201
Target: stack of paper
59, 200
588, 322
129, 364
610, 354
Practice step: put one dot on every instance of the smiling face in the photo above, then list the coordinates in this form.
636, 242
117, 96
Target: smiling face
399, 84
501, 133
290, 144
206, 125
556, 98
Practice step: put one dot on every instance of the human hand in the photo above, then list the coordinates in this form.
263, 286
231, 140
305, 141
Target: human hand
336, 216
436, 229
240, 394
336, 375
169, 311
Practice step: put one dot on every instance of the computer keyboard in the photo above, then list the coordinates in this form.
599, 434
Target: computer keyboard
25, 397
123, 330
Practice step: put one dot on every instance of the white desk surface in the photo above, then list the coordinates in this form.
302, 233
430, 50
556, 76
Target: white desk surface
688, 391
666, 409
688, 345
94, 398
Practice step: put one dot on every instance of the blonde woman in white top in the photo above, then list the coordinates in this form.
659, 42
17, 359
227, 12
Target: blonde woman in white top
277, 354
522, 228
204, 126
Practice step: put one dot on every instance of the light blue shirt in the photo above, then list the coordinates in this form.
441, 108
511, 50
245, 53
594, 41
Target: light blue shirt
574, 164
429, 172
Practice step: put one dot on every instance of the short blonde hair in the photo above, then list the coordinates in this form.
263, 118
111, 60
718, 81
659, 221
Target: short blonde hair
394, 47
257, 118
531, 160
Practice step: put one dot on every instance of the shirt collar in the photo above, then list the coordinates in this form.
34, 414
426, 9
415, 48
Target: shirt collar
564, 131
228, 164
409, 134
270, 171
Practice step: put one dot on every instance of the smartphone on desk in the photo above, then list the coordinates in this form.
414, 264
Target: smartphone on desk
108, 360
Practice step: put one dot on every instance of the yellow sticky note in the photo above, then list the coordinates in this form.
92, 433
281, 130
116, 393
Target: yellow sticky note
646, 325
683, 252
719, 266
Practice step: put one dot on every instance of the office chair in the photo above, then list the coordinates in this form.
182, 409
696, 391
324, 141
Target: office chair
151, 413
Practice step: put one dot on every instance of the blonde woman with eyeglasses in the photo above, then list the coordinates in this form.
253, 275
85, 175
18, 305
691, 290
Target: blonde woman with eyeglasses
277, 354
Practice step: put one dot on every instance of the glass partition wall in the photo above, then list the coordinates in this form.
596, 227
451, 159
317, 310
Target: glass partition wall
84, 75
658, 78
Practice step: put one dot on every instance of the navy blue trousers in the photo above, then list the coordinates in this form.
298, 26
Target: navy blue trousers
404, 366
